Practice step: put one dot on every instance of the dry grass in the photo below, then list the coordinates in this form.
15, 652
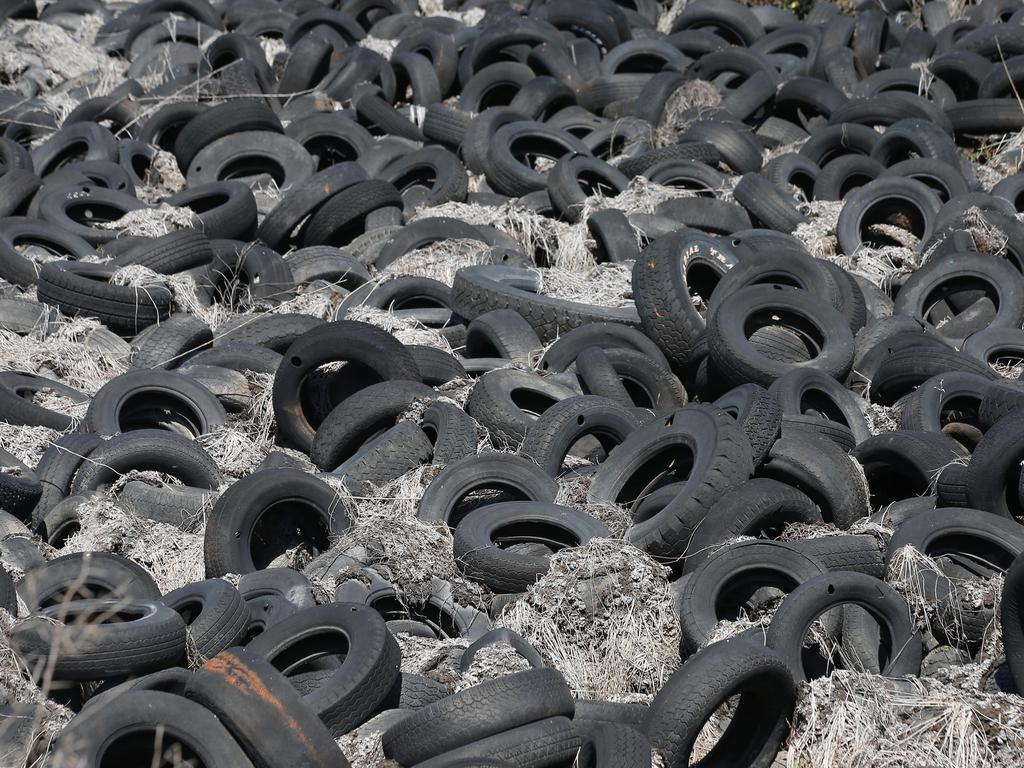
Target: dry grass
855, 720
152, 222
602, 616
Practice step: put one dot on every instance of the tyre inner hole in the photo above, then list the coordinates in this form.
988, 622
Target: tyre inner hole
817, 403
554, 537
642, 64
933, 183
249, 166
325, 387
806, 333
823, 648
671, 464
981, 558
91, 212
530, 401
330, 150
499, 95
539, 153
421, 177
488, 492
891, 212
950, 298
852, 182
75, 152
593, 183
326, 648
286, 525
892, 479
154, 409
206, 203
152, 747
701, 279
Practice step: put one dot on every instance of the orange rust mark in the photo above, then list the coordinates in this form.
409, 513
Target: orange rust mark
248, 683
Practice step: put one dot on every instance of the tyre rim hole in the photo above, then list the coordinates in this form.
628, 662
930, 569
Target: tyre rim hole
882, 223
249, 166
713, 731
814, 402
822, 649
852, 182
294, 526
671, 464
803, 331
531, 401
481, 495
553, 536
951, 298
145, 745
701, 280
155, 409
324, 649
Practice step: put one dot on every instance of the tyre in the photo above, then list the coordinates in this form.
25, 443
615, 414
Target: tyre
817, 466
719, 457
506, 402
263, 712
130, 724
343, 340
493, 471
358, 682
760, 508
214, 612
154, 400
478, 712
821, 328
815, 596
552, 436
265, 513
767, 696
483, 536
98, 639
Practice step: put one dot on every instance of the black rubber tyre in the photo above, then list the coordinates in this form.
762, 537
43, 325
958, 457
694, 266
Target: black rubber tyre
154, 400
304, 199
151, 717
807, 602
357, 686
817, 466
758, 413
174, 252
508, 401
860, 553
904, 464
214, 612
266, 513
1012, 619
362, 416
480, 289
399, 449
561, 354
502, 333
147, 449
498, 471
542, 743
735, 667
170, 343
720, 458
662, 291
550, 438
342, 340
822, 329
20, 489
223, 120
819, 398
994, 472
483, 536
262, 711
728, 581
84, 289
101, 639
477, 713
760, 508
630, 378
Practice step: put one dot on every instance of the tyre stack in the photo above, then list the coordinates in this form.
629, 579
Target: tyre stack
338, 337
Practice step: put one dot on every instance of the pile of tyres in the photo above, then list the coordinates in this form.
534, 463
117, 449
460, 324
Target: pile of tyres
729, 402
